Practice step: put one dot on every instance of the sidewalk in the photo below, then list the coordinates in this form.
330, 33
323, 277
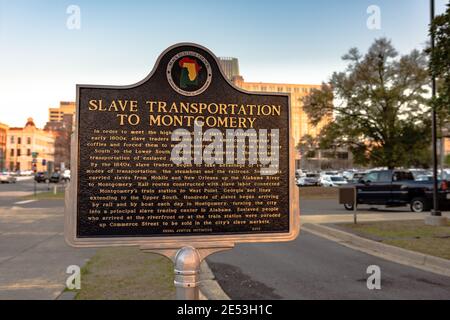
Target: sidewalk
364, 217
33, 254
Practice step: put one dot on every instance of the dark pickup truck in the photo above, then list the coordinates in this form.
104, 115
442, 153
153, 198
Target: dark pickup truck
395, 188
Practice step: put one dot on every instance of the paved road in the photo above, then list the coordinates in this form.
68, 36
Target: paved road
33, 259
23, 184
12, 194
314, 268
33, 253
331, 206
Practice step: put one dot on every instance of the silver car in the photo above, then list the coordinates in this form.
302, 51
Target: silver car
7, 178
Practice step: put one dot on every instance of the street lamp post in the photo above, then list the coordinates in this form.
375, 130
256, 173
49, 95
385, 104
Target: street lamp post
435, 211
436, 216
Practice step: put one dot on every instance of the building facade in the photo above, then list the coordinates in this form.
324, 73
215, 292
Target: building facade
230, 67
22, 143
65, 108
3, 138
301, 126
62, 131
300, 121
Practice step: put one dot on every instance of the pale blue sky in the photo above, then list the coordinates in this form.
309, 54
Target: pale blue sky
298, 41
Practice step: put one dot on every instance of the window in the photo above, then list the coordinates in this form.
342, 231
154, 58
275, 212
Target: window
385, 176
288, 89
372, 177
28, 152
18, 152
19, 140
263, 88
342, 155
402, 176
12, 139
12, 153
28, 140
280, 89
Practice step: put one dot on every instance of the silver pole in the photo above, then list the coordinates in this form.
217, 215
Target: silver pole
187, 273
435, 211
355, 205
187, 266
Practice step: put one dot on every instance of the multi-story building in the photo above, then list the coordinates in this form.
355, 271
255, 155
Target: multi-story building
3, 137
230, 67
62, 131
301, 125
22, 143
60, 123
57, 114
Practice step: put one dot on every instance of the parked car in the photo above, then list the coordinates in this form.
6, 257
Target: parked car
310, 179
420, 172
424, 177
329, 173
332, 181
55, 177
395, 188
7, 178
356, 177
299, 173
28, 172
41, 177
348, 174
314, 178
66, 175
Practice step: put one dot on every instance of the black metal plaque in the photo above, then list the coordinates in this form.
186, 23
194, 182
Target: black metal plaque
130, 184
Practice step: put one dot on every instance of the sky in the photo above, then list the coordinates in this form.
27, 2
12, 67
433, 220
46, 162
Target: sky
118, 42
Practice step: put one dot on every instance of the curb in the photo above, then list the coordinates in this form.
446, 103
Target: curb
67, 295
406, 257
209, 287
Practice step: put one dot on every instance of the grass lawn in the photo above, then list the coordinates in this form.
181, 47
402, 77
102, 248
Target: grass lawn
126, 274
411, 235
318, 193
47, 195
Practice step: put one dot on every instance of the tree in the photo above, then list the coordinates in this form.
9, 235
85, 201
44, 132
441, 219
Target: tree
378, 107
307, 146
447, 160
440, 63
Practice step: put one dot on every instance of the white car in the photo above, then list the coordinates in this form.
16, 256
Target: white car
329, 173
332, 181
309, 180
66, 175
7, 178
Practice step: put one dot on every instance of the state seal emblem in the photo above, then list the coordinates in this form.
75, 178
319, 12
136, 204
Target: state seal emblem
189, 73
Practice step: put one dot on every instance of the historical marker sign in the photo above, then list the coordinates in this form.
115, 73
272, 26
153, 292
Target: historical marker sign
181, 157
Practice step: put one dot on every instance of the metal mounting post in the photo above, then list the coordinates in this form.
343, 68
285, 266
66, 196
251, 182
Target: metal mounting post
187, 260
187, 274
